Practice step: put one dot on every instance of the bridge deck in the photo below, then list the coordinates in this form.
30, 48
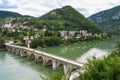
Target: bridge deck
49, 55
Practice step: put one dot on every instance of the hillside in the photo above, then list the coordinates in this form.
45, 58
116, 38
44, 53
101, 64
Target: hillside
13, 17
109, 20
7, 14
67, 18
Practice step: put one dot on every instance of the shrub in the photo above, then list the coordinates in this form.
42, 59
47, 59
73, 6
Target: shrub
105, 69
57, 75
46, 41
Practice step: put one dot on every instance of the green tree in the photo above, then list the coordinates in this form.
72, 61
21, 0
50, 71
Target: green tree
46, 41
37, 42
48, 33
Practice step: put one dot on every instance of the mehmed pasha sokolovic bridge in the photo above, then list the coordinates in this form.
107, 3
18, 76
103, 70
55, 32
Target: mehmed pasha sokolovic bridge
46, 58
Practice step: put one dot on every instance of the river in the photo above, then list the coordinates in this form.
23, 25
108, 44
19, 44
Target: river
13, 67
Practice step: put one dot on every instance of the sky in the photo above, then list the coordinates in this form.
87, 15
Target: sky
39, 7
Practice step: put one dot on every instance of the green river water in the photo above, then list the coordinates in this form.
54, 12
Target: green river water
13, 67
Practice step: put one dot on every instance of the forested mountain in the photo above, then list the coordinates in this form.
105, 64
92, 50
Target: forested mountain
13, 17
7, 14
109, 20
67, 18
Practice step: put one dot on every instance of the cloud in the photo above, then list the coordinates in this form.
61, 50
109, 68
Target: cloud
40, 7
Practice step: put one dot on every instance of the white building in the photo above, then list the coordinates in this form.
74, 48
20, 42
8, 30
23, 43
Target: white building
80, 34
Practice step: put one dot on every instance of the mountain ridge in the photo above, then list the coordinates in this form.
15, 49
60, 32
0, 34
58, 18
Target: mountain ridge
6, 14
109, 20
10, 14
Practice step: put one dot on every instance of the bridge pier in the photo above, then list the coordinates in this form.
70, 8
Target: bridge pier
54, 65
17, 51
12, 50
44, 63
35, 60
9, 49
67, 69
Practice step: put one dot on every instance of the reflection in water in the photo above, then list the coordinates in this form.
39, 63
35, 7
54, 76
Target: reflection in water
98, 53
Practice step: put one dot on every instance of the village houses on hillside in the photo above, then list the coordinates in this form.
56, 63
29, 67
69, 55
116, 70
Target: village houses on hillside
63, 34
12, 27
79, 34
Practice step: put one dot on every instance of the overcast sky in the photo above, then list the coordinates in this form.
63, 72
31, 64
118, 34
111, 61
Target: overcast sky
40, 7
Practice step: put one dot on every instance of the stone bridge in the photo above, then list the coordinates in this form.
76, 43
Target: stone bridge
46, 58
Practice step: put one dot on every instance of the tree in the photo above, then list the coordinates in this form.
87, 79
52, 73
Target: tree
46, 41
58, 34
48, 33
37, 42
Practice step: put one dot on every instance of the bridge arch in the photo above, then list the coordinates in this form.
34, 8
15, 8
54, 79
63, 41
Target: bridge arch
60, 66
49, 62
40, 59
32, 57
24, 53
